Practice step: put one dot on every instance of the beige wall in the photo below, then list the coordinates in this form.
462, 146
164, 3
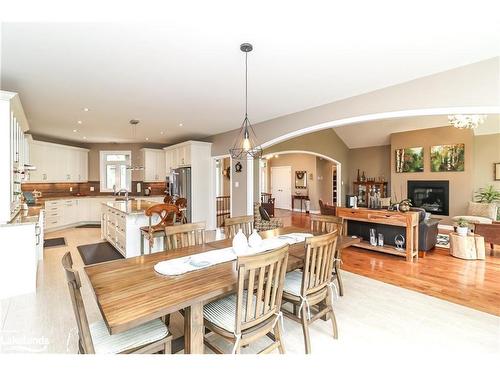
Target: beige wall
319, 187
461, 183
324, 179
324, 142
374, 161
137, 158
487, 152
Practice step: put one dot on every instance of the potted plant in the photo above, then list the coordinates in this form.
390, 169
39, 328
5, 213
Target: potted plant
462, 227
489, 195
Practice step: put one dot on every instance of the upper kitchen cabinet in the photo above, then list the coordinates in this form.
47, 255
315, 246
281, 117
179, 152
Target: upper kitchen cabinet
13, 154
180, 155
154, 165
58, 163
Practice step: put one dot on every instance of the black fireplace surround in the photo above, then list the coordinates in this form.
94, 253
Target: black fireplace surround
432, 196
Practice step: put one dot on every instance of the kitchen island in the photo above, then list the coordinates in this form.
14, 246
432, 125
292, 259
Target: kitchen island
121, 222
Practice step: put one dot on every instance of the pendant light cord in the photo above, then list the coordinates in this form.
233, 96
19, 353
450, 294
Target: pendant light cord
246, 84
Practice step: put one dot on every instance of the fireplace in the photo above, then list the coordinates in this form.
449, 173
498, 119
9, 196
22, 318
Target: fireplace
433, 196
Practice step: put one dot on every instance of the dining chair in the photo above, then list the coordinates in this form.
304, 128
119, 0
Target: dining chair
184, 235
255, 310
313, 285
233, 224
150, 337
168, 199
181, 204
327, 224
166, 214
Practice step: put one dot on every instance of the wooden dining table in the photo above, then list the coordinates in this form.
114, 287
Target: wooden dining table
129, 292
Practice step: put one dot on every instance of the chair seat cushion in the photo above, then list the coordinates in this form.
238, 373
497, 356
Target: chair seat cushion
222, 312
136, 337
293, 283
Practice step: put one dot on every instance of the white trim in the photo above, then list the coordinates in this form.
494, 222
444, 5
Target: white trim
213, 194
250, 167
102, 173
381, 116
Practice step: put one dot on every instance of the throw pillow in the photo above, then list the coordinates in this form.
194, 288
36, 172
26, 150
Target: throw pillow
263, 214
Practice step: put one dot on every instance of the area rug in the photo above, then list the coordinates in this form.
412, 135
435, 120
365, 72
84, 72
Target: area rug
98, 252
54, 242
443, 240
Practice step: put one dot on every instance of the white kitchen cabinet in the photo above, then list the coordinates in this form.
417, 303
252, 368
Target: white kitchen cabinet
58, 163
184, 155
154, 165
13, 125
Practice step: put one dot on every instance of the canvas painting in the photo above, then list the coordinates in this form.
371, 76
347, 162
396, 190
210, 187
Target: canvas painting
410, 160
448, 158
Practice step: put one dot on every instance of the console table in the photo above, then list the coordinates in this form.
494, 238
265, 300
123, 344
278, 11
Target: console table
301, 198
408, 220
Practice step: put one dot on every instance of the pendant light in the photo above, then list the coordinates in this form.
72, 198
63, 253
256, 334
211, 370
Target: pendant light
245, 146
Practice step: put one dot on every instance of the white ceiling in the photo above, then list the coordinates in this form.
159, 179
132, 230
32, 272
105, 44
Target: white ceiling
378, 133
188, 69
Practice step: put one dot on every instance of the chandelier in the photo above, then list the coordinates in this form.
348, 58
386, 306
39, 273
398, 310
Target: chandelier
466, 121
245, 146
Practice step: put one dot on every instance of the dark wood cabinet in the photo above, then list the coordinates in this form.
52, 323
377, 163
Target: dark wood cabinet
362, 190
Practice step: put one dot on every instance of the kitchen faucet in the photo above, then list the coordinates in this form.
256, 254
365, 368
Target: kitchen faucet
123, 191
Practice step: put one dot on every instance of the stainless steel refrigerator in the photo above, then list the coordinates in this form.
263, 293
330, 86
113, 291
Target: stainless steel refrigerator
180, 187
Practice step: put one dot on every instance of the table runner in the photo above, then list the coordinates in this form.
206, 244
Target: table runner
179, 266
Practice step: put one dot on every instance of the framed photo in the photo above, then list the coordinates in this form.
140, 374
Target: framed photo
409, 160
448, 158
497, 171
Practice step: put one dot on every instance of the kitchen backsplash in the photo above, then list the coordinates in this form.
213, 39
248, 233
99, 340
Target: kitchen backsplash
50, 190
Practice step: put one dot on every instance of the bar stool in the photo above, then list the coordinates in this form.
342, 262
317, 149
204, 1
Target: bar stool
181, 204
167, 214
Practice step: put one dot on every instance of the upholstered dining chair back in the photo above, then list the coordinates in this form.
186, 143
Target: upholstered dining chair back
261, 279
233, 224
327, 224
184, 235
74, 285
318, 263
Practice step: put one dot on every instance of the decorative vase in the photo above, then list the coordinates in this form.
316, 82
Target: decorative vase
404, 207
462, 231
255, 240
240, 243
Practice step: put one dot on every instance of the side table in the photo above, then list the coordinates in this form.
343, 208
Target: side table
467, 247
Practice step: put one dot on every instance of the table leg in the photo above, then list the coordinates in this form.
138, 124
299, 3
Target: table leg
193, 329
415, 241
409, 243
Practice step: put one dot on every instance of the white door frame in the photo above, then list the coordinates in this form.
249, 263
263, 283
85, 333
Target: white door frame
289, 168
214, 193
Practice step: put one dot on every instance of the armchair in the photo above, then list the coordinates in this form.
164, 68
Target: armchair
327, 209
260, 224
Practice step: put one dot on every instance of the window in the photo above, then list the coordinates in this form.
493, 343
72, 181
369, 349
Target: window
114, 170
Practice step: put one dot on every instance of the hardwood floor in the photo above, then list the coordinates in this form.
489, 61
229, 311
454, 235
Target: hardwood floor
471, 283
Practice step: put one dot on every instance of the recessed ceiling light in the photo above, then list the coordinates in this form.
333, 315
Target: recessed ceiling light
181, 124
79, 122
84, 137
161, 133
85, 109
75, 130
147, 139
